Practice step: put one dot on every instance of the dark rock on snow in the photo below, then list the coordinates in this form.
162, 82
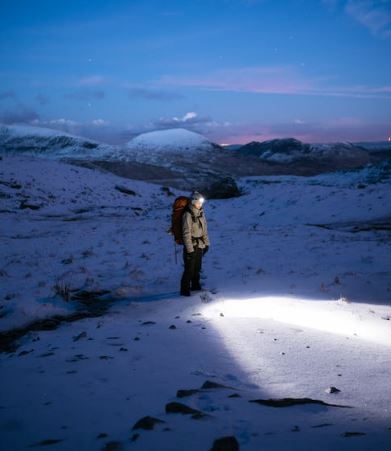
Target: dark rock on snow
147, 423
125, 190
210, 384
185, 393
332, 390
352, 434
287, 402
225, 444
177, 407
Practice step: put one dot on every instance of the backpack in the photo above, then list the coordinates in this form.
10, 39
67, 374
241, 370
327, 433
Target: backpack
179, 206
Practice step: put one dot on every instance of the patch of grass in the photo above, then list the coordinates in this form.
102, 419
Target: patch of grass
62, 289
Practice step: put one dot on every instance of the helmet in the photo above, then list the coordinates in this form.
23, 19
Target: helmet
196, 196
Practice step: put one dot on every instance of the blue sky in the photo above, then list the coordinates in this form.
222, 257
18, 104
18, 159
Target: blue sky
233, 70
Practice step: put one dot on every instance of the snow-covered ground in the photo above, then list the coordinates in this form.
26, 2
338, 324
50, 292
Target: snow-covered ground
297, 300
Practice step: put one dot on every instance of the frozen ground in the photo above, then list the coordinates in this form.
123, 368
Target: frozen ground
297, 300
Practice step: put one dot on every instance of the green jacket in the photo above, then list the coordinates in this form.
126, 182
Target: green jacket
194, 229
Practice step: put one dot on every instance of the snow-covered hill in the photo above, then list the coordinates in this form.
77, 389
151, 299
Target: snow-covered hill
375, 145
49, 143
290, 150
161, 146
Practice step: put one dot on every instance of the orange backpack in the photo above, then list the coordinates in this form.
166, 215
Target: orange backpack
178, 208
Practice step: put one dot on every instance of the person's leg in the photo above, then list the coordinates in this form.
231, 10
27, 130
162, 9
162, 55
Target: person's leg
195, 281
188, 260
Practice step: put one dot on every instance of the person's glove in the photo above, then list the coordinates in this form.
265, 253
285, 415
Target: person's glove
206, 248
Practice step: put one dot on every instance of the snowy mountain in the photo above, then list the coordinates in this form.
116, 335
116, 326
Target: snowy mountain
49, 143
192, 160
173, 144
178, 157
290, 150
187, 160
376, 145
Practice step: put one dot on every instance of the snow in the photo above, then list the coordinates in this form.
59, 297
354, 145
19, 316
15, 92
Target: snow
376, 145
175, 138
291, 308
23, 130
162, 147
49, 143
316, 151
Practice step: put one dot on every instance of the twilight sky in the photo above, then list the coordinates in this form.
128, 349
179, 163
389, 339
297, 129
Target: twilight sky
233, 70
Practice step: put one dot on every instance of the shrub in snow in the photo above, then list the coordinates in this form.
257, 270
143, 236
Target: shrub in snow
62, 289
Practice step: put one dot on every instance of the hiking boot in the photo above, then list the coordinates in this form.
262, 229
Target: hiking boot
185, 293
196, 287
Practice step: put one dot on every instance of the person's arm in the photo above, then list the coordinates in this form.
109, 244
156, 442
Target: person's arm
205, 235
187, 224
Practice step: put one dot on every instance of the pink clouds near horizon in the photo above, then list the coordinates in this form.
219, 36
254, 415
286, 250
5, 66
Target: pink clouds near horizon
336, 130
283, 79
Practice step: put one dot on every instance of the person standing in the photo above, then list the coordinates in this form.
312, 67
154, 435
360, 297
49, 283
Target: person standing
196, 243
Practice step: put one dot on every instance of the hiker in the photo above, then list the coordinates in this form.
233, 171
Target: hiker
195, 243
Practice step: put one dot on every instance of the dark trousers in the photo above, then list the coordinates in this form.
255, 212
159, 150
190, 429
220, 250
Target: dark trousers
191, 273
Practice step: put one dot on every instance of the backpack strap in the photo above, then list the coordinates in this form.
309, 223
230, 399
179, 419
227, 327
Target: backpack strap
187, 208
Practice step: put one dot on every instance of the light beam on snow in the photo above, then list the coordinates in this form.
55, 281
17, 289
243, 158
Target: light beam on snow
333, 316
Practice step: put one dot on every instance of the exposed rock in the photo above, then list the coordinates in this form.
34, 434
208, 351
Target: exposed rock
228, 443
9, 339
287, 402
113, 446
322, 425
46, 442
223, 188
125, 190
48, 142
266, 149
332, 390
81, 335
185, 393
102, 435
177, 407
26, 204
46, 354
11, 184
134, 437
211, 384
147, 423
352, 434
